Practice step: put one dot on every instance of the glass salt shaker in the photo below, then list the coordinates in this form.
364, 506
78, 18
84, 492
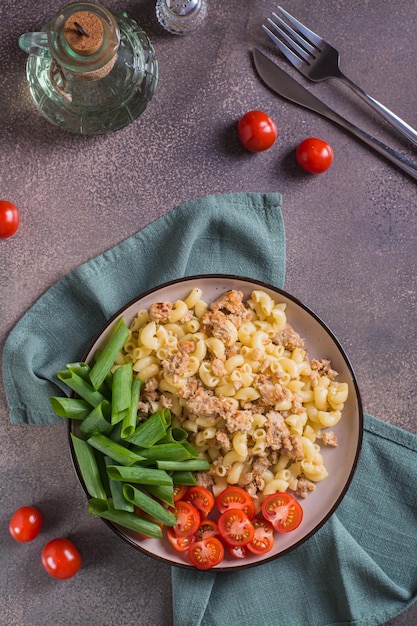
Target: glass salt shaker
180, 17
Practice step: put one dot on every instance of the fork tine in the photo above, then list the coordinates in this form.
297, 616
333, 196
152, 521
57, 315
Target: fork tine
310, 36
292, 58
292, 39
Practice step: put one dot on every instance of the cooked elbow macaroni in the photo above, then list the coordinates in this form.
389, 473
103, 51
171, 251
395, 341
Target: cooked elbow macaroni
237, 378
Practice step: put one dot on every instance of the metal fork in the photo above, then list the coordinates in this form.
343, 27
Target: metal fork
318, 60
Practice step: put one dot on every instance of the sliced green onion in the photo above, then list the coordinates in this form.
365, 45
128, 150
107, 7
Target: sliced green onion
98, 420
72, 408
88, 467
174, 435
168, 452
131, 418
81, 387
139, 475
108, 356
193, 465
114, 450
121, 392
103, 508
149, 432
116, 489
183, 478
149, 505
162, 492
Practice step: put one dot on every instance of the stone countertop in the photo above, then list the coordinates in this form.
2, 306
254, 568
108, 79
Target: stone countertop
350, 232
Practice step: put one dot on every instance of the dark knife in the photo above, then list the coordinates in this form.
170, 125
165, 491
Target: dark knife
285, 86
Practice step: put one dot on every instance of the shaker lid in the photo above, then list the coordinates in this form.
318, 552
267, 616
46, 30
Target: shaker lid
84, 32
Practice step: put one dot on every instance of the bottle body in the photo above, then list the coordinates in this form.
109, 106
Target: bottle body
97, 102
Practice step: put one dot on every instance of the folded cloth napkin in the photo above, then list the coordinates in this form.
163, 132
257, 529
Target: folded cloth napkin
360, 568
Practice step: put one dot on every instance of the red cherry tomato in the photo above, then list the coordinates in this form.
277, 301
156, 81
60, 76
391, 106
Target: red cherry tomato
188, 519
314, 155
201, 498
206, 553
181, 544
25, 523
283, 511
239, 552
179, 492
207, 528
9, 219
235, 527
263, 539
235, 498
257, 131
61, 558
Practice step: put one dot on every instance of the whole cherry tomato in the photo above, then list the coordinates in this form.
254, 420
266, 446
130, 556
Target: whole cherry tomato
25, 523
61, 559
257, 131
314, 155
9, 219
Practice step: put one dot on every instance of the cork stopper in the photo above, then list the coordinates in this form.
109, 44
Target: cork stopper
84, 32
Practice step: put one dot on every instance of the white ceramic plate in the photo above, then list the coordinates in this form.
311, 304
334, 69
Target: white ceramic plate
340, 462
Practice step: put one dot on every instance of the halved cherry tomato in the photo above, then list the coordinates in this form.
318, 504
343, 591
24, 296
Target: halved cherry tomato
179, 492
257, 131
188, 519
201, 498
263, 539
181, 544
239, 552
206, 553
283, 511
25, 523
314, 155
235, 527
207, 528
235, 498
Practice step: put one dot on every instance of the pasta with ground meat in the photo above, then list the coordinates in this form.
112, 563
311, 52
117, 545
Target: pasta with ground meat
237, 378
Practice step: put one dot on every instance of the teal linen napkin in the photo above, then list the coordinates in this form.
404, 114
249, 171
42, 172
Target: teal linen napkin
239, 233
360, 568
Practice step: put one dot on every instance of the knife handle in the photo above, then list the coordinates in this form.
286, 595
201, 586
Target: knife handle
396, 158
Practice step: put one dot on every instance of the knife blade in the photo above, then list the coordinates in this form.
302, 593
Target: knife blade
288, 88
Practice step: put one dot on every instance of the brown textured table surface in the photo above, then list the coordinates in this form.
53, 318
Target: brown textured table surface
351, 237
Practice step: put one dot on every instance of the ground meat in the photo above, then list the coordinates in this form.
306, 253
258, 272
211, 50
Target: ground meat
271, 391
293, 447
177, 364
222, 438
231, 304
239, 421
204, 479
304, 487
219, 325
329, 439
151, 384
289, 338
323, 368
160, 311
276, 430
218, 367
166, 402
205, 403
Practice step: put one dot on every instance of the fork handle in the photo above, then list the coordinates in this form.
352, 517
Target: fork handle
390, 117
391, 155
